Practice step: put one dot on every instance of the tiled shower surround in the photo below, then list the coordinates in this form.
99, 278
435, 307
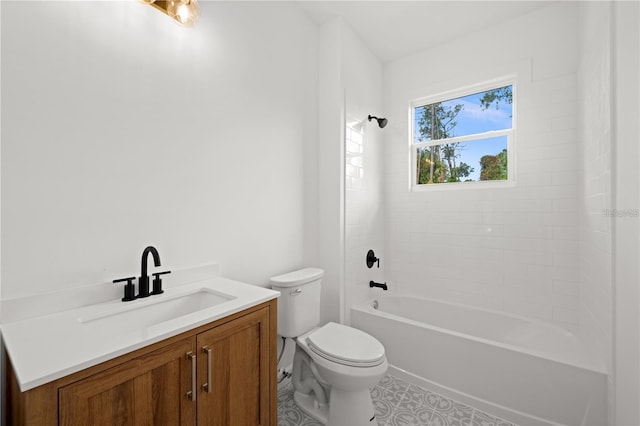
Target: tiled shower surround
397, 403
596, 312
511, 248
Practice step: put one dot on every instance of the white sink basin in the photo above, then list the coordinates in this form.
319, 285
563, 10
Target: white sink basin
88, 334
143, 313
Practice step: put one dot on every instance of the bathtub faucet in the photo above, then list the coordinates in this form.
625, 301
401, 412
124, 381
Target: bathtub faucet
380, 285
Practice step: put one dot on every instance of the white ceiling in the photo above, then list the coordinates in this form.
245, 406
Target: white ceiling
393, 29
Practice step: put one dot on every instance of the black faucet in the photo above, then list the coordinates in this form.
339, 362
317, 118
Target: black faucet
143, 281
380, 285
129, 288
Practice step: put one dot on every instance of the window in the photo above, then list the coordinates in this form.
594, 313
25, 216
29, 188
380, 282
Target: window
464, 137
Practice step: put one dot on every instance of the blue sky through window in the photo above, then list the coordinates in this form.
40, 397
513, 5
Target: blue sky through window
473, 119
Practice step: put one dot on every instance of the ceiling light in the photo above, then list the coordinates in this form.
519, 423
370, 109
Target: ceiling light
184, 12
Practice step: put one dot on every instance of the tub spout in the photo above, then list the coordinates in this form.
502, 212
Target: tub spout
380, 285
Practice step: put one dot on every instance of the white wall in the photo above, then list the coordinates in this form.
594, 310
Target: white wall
512, 249
626, 248
609, 249
121, 129
594, 102
331, 171
2, 364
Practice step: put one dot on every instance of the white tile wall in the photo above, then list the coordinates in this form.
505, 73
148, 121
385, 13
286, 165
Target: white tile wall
364, 222
513, 249
595, 134
609, 181
364, 196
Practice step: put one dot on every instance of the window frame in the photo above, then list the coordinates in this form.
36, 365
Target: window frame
454, 94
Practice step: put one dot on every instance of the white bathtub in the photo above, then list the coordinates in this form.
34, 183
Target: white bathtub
526, 371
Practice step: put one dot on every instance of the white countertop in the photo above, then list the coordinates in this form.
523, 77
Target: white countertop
46, 348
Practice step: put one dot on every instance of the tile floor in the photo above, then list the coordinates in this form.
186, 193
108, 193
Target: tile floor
397, 403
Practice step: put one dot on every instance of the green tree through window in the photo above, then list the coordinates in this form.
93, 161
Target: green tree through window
464, 139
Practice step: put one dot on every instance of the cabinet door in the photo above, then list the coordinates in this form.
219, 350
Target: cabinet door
149, 390
233, 372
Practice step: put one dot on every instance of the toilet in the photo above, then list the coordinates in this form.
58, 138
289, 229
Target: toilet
334, 365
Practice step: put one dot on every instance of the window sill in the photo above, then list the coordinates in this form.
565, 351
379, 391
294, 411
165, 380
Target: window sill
453, 186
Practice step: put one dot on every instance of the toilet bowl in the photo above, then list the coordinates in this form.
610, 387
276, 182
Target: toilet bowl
334, 365
347, 363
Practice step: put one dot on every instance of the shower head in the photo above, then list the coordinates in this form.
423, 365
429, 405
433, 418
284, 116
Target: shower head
381, 121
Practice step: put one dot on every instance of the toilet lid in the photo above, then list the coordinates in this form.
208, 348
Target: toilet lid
346, 345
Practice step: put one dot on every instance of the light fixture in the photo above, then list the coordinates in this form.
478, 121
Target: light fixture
184, 12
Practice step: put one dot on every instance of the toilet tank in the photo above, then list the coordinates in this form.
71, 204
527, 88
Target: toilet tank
299, 301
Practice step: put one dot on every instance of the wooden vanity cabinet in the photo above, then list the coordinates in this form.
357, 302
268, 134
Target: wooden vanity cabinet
233, 362
233, 376
147, 390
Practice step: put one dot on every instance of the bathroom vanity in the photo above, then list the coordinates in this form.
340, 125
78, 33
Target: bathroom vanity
212, 366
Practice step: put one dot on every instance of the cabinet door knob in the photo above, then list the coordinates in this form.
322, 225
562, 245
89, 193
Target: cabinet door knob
192, 393
207, 386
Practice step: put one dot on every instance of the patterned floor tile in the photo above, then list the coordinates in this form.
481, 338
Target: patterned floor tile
288, 412
384, 403
452, 413
386, 380
393, 384
397, 403
419, 417
416, 396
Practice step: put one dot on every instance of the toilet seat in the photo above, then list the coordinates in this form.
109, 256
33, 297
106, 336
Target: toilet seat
346, 346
